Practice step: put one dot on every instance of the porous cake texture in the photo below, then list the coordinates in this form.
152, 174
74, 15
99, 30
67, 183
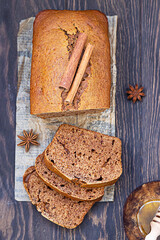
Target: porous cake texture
52, 205
68, 189
85, 157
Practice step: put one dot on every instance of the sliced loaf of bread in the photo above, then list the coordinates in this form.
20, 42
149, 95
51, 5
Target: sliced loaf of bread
85, 157
67, 189
52, 205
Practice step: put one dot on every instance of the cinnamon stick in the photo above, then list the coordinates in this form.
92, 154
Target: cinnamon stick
80, 73
73, 62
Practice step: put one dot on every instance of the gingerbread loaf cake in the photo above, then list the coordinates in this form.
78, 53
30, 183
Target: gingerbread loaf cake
52, 205
85, 157
55, 33
71, 190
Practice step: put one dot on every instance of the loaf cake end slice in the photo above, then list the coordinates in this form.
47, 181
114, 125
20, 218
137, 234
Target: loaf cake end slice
52, 205
85, 157
71, 190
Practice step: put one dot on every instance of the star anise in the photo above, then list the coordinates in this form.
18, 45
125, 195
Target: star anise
135, 93
27, 139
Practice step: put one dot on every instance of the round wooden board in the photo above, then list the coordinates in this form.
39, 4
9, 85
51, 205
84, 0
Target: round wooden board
141, 195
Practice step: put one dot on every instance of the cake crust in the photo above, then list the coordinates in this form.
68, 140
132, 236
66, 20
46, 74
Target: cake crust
50, 57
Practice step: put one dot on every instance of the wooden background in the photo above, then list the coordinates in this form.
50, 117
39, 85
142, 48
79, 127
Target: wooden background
138, 125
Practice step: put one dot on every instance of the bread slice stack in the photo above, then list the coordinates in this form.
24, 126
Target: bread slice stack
70, 176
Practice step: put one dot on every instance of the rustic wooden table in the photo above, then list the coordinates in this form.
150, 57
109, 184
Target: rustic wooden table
138, 125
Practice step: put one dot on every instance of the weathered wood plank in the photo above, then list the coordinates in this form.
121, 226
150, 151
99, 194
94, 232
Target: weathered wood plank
150, 129
137, 125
